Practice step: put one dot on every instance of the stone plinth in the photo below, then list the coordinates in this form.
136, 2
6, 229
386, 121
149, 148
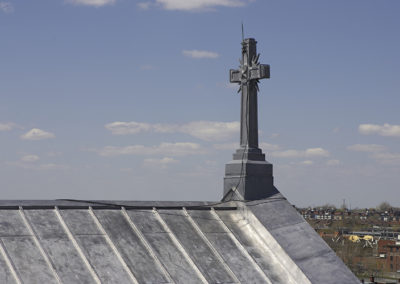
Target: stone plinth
252, 177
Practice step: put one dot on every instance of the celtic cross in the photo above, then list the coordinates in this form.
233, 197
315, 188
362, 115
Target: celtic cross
248, 75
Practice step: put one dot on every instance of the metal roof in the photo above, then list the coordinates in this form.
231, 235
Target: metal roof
264, 241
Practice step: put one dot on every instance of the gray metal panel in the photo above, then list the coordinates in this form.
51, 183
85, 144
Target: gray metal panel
66, 260
30, 265
163, 246
80, 222
244, 269
11, 224
202, 255
45, 223
263, 256
103, 259
300, 241
94, 246
6, 276
146, 221
130, 247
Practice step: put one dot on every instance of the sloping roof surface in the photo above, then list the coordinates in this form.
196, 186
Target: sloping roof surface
162, 242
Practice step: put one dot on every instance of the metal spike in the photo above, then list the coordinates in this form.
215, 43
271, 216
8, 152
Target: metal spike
240, 88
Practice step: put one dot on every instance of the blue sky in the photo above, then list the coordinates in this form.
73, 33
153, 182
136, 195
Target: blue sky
118, 99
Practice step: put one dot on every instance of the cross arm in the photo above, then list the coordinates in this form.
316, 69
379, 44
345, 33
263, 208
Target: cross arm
235, 76
260, 71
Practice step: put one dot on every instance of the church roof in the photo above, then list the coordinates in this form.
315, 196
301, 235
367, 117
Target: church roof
65, 241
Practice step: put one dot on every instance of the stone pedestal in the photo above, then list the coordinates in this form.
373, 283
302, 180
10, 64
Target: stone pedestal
251, 177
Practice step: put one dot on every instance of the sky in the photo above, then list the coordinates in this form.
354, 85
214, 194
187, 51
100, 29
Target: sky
131, 100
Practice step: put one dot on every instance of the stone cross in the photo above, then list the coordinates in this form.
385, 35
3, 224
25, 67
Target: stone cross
248, 75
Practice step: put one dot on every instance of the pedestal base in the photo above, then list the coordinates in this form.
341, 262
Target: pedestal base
252, 178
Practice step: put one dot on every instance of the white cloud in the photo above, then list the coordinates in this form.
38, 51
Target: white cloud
165, 149
29, 158
204, 130
332, 162
371, 148
39, 167
274, 135
123, 128
37, 134
387, 158
6, 7
382, 130
198, 54
308, 153
159, 163
144, 5
94, 3
211, 130
269, 147
6, 126
307, 162
226, 146
198, 5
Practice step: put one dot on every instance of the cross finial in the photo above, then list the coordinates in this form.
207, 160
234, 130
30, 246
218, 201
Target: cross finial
248, 75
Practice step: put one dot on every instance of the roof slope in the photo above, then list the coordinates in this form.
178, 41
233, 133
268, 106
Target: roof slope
161, 242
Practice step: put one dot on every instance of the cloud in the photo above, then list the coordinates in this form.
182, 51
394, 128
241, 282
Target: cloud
227, 146
7, 126
159, 163
144, 5
387, 158
307, 162
30, 158
204, 130
332, 162
269, 147
6, 7
370, 148
211, 130
382, 130
308, 153
123, 128
39, 167
165, 149
94, 3
37, 134
198, 5
199, 54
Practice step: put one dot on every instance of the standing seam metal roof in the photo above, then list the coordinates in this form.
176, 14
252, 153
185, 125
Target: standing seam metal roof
170, 242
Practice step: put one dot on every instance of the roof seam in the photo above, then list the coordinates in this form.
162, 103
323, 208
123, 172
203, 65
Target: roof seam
240, 247
252, 218
111, 244
9, 263
216, 253
179, 245
146, 244
39, 245
77, 247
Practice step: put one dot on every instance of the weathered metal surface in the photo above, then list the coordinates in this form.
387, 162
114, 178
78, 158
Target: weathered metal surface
94, 246
162, 244
300, 241
202, 255
260, 242
131, 248
245, 269
29, 263
67, 262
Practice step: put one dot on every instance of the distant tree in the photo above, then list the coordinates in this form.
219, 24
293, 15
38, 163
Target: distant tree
384, 206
